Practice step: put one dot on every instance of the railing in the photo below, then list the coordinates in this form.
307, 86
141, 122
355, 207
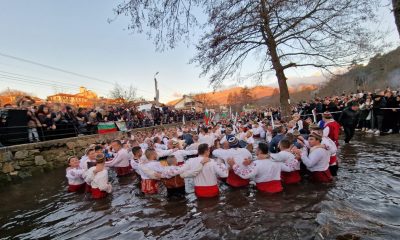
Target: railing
20, 134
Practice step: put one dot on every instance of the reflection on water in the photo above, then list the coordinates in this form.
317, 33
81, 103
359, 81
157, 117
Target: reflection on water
363, 202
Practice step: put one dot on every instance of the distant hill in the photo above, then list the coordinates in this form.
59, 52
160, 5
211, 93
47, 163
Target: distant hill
258, 93
382, 70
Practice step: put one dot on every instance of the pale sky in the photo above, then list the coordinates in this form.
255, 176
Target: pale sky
75, 35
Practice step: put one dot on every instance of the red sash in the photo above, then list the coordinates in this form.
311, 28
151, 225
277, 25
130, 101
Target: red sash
270, 187
76, 188
332, 160
236, 181
97, 193
180, 163
322, 176
206, 191
149, 186
256, 136
122, 171
291, 177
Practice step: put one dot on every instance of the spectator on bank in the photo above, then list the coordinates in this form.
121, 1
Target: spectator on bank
44, 116
33, 124
378, 112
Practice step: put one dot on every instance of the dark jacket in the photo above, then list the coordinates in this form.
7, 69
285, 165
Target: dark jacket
349, 118
378, 105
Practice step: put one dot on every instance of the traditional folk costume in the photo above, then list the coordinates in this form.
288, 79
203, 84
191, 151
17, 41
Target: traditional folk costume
239, 155
206, 179
317, 162
332, 131
290, 167
149, 184
257, 130
76, 183
120, 163
266, 173
85, 164
98, 182
207, 138
180, 155
160, 146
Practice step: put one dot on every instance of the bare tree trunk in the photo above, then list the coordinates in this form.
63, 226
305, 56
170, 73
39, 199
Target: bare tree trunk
396, 12
283, 87
276, 64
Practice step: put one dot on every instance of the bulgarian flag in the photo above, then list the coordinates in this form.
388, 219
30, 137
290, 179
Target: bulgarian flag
106, 127
206, 116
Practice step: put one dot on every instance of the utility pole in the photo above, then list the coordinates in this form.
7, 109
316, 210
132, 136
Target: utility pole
157, 97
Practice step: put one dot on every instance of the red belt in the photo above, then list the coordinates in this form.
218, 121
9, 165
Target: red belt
206, 191
149, 186
291, 177
332, 160
180, 163
321, 176
122, 171
236, 181
76, 188
97, 193
270, 187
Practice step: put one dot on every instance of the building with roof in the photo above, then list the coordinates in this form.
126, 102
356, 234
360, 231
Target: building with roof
187, 102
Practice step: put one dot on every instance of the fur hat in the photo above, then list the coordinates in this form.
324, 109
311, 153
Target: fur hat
314, 127
316, 135
233, 141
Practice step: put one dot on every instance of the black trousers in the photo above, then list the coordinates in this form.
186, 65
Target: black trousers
334, 169
176, 192
349, 133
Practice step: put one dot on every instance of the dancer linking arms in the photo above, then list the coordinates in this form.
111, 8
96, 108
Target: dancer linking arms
265, 172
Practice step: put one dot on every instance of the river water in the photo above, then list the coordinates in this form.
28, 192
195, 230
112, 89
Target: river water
363, 203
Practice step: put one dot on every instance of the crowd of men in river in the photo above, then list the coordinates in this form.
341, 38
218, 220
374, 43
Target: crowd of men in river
221, 151
255, 148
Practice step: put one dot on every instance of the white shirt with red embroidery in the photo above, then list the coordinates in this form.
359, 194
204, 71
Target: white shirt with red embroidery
238, 154
207, 138
98, 180
316, 160
261, 171
181, 154
208, 176
121, 159
75, 176
288, 161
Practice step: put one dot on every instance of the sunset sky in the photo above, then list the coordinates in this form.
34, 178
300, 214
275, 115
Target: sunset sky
76, 36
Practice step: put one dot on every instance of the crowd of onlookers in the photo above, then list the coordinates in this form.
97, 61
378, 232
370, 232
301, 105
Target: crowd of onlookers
53, 116
378, 112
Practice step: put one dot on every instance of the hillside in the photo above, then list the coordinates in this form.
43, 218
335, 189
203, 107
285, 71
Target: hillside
221, 97
382, 70
259, 94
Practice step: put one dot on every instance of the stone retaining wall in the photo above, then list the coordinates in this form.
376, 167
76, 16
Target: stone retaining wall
26, 160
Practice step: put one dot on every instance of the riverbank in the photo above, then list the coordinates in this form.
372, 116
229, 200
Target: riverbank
19, 162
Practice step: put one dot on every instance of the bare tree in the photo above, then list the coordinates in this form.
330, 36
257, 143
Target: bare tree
128, 94
245, 96
396, 12
282, 33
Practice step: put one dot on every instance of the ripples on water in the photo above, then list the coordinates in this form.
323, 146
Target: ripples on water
363, 202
